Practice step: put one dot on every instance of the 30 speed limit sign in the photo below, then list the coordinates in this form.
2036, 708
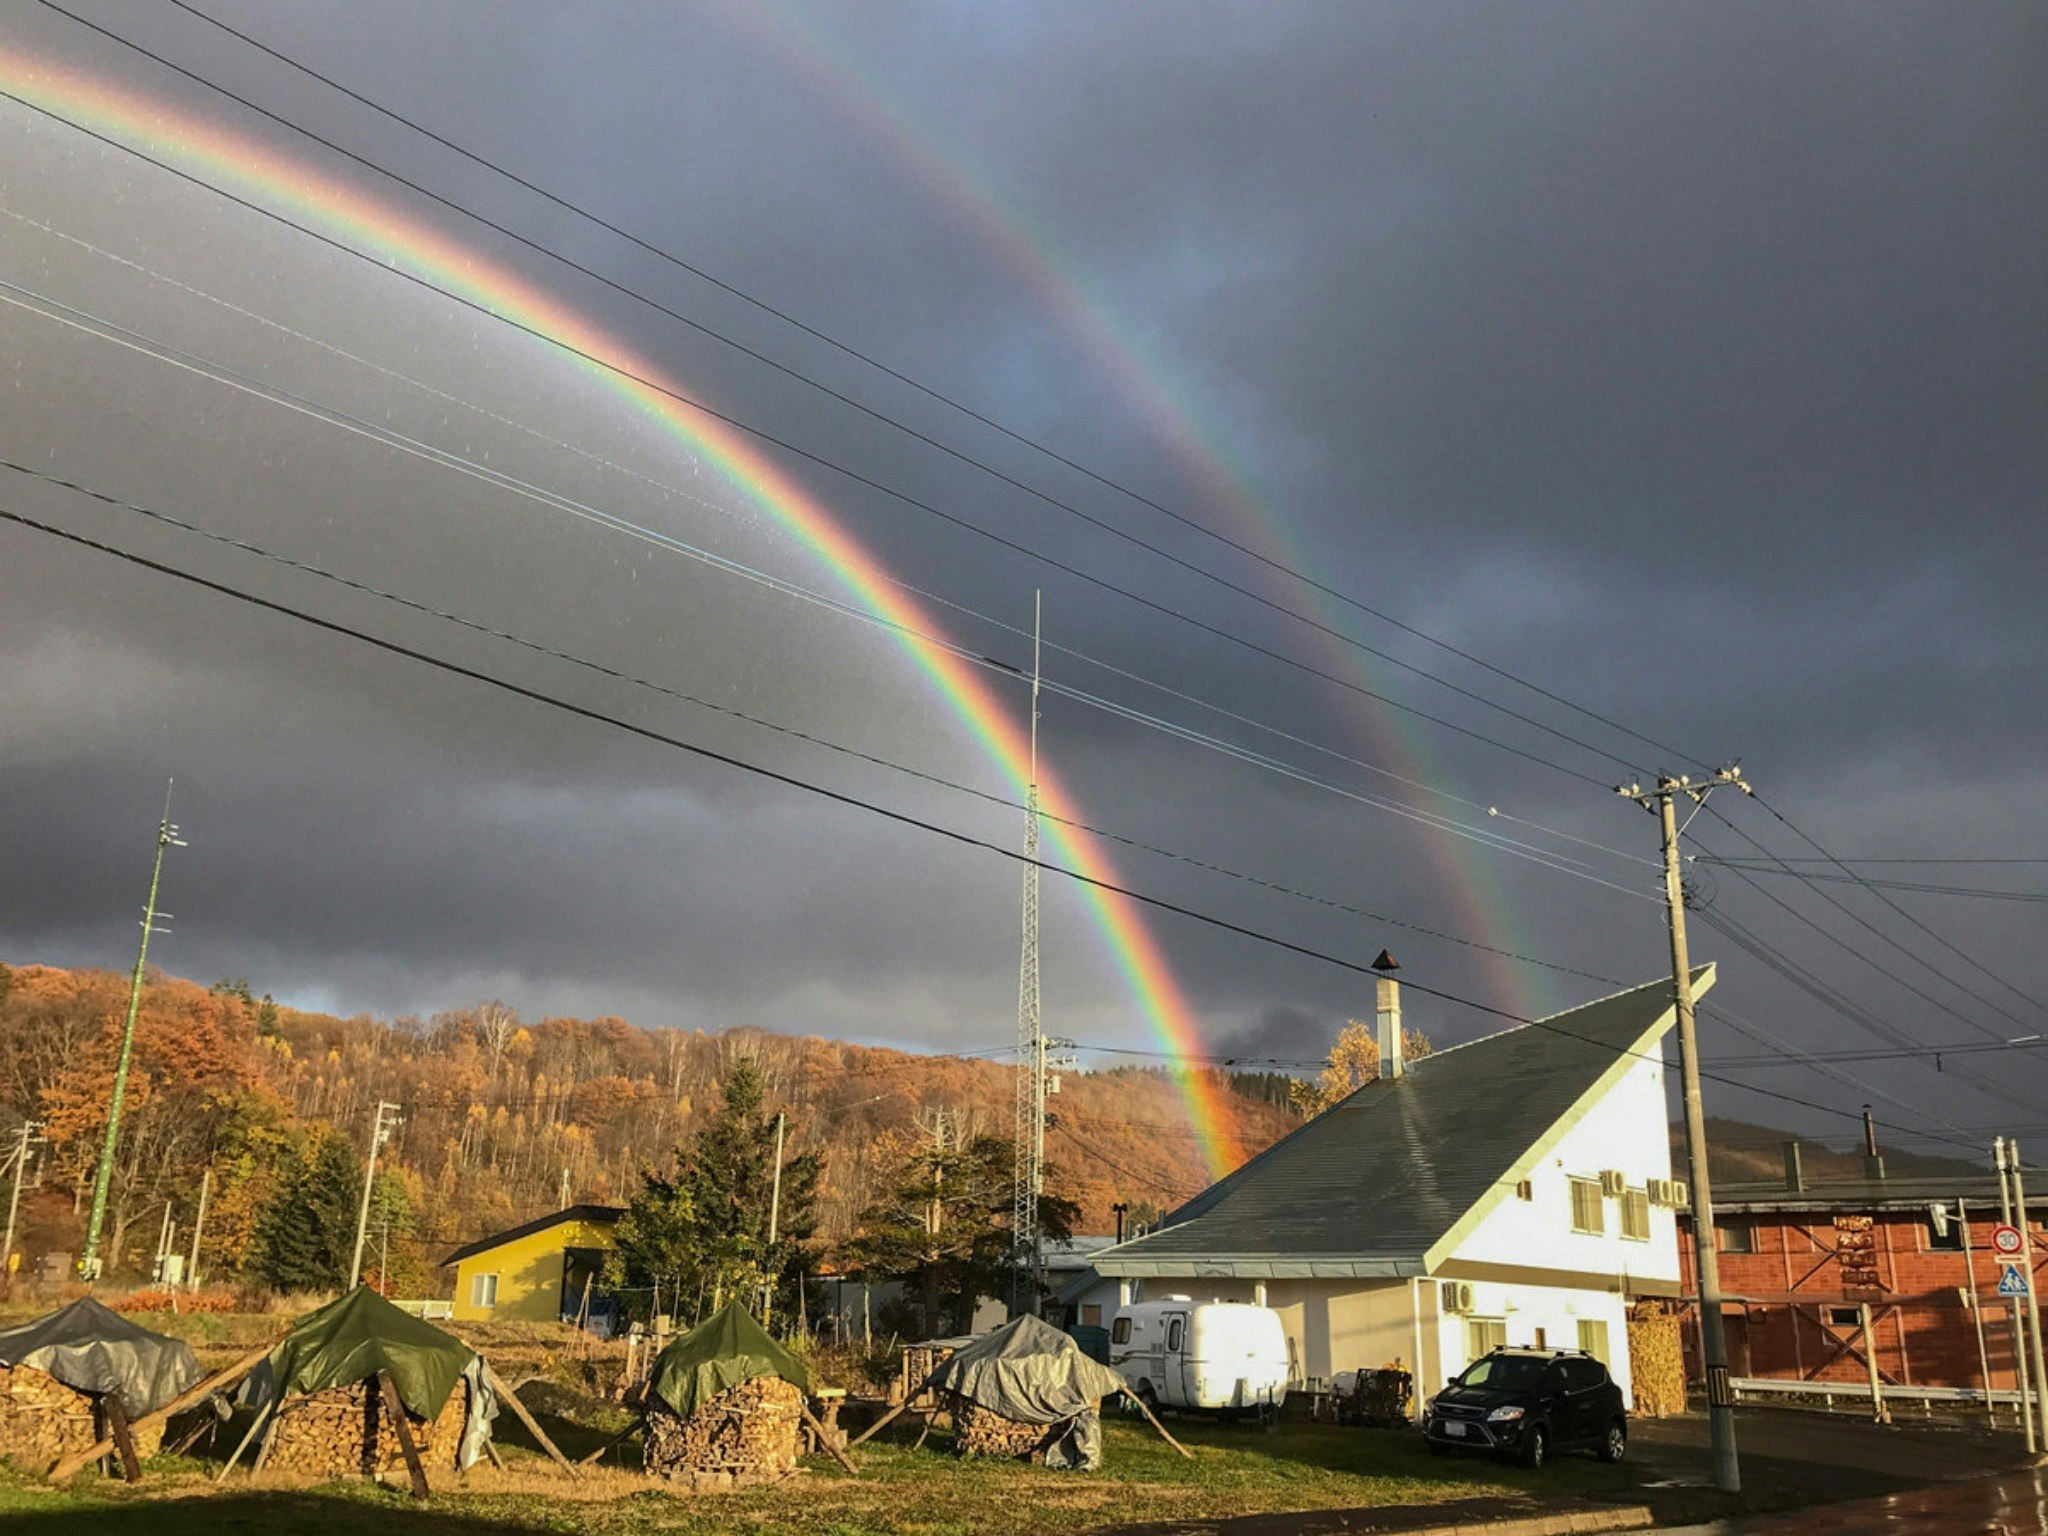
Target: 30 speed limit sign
2005, 1239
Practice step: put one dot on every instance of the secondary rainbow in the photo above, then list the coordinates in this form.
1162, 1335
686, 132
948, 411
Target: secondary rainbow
123, 112
1036, 257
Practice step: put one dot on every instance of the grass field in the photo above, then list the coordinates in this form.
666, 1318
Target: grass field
928, 1492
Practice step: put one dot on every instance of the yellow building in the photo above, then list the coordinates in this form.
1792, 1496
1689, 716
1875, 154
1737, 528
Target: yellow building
539, 1272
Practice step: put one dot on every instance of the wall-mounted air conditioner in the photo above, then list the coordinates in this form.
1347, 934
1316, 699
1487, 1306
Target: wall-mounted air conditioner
1456, 1295
1613, 1182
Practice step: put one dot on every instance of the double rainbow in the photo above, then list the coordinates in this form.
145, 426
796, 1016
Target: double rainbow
384, 231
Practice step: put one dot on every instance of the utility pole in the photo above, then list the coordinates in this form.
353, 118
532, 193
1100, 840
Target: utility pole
30, 1132
198, 1226
934, 1220
166, 837
2019, 1327
774, 1221
1713, 1337
380, 1132
2019, 1211
163, 1246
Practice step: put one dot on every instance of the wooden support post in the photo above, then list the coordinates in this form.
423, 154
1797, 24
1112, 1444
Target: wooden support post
1147, 1411
263, 1417
406, 1447
124, 1442
876, 1428
825, 1441
511, 1399
491, 1450
219, 1382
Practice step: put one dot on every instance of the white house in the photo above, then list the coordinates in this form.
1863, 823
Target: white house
1514, 1190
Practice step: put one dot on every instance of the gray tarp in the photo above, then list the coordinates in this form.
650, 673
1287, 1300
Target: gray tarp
1031, 1373
91, 1349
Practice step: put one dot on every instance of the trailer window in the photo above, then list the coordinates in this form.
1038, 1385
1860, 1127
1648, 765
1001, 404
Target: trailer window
1120, 1331
1176, 1332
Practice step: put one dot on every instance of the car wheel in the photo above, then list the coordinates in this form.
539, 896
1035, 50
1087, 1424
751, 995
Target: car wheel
1614, 1445
1535, 1445
1148, 1395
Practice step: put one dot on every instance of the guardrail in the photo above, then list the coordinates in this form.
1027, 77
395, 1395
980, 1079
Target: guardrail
1857, 1392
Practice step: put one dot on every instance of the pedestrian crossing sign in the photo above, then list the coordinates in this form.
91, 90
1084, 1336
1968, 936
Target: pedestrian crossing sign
2013, 1282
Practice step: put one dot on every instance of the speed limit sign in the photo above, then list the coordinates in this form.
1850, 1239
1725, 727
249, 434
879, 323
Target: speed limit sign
2005, 1239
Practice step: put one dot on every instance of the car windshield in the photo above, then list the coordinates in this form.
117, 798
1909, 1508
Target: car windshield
1505, 1373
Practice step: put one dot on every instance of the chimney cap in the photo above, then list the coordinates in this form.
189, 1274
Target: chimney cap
1386, 962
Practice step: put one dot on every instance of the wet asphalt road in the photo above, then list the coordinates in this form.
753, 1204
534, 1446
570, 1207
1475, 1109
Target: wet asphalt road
2010, 1504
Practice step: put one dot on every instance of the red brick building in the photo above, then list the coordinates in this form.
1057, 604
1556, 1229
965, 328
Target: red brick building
1799, 1261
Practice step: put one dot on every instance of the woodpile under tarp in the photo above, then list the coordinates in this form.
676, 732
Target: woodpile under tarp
355, 1382
724, 1404
348, 1430
64, 1376
1027, 1391
1656, 1361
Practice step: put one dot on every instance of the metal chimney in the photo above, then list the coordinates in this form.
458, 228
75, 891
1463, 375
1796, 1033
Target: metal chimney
1389, 1018
1873, 1163
1795, 1172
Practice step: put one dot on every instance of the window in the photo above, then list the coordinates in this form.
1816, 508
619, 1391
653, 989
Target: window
1635, 1215
1583, 1375
1120, 1331
1091, 1314
1589, 1211
1483, 1335
1845, 1317
1593, 1339
1739, 1237
1945, 1236
483, 1291
1176, 1332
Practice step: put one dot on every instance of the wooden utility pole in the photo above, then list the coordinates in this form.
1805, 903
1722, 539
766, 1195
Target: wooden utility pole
29, 1132
89, 1262
1707, 1263
774, 1220
2019, 1212
2019, 1328
380, 1132
198, 1226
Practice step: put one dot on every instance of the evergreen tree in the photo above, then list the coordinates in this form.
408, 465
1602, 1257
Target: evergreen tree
700, 1231
944, 1229
308, 1225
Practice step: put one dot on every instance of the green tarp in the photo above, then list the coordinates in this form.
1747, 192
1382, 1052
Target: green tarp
727, 1348
362, 1334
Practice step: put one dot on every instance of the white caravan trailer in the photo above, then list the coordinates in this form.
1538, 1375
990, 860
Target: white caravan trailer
1178, 1353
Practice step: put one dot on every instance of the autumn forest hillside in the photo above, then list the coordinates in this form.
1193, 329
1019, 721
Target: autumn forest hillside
503, 1117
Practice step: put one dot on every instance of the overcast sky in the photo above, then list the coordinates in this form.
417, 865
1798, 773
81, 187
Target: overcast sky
1684, 362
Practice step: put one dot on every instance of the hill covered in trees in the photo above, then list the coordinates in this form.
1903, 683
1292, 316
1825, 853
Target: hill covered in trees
503, 1119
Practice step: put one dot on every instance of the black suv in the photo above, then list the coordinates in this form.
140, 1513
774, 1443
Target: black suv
1527, 1403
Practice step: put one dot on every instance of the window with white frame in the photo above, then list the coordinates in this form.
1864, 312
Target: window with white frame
1589, 1209
1483, 1335
483, 1290
1635, 1215
1593, 1338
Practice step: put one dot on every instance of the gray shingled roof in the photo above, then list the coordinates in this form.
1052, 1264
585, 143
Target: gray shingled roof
1367, 1188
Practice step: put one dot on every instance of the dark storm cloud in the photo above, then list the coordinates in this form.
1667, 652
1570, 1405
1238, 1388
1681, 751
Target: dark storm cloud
1685, 361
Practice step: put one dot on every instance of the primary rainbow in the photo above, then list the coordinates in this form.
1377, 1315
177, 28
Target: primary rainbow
130, 115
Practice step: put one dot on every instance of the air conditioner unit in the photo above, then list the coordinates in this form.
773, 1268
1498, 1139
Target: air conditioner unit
1613, 1181
1526, 1190
1681, 1197
1671, 1192
1456, 1295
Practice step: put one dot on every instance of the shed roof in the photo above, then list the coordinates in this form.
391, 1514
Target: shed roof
1369, 1188
599, 1215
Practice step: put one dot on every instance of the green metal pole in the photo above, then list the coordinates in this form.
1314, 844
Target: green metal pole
89, 1264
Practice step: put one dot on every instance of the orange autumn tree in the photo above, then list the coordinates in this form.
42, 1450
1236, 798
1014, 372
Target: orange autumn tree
1353, 1062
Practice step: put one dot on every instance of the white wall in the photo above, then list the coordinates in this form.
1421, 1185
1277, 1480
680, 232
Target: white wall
1530, 1315
1624, 1129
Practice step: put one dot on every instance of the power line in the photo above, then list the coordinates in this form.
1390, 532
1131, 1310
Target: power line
846, 471
120, 335
901, 818
667, 488
820, 335
1873, 883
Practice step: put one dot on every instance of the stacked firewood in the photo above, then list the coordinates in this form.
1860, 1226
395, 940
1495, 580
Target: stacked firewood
335, 1434
1856, 1252
1656, 1356
744, 1434
41, 1419
979, 1431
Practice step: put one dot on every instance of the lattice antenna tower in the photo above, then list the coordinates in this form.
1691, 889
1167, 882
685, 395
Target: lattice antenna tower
1030, 1106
